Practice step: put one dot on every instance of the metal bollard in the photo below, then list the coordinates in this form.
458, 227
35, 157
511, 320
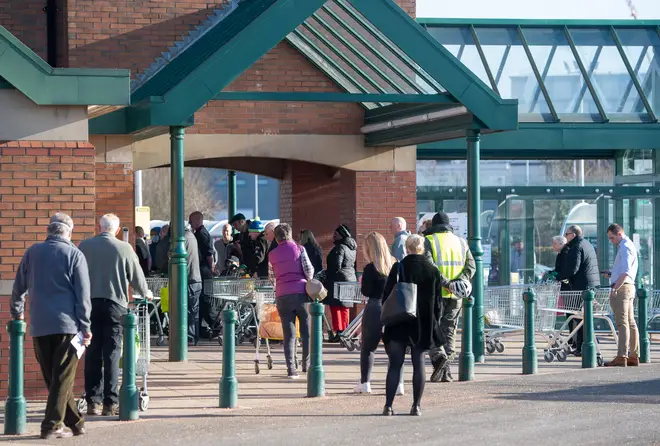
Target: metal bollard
15, 413
642, 312
128, 394
466, 358
228, 381
315, 373
589, 358
529, 355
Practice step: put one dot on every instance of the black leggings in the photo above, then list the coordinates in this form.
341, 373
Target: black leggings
396, 352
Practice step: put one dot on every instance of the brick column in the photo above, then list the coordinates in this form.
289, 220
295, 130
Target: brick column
115, 194
38, 179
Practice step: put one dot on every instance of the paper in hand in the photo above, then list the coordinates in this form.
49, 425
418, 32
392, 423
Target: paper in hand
77, 343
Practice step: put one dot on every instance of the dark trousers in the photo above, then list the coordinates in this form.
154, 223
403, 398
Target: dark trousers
209, 310
194, 293
372, 330
577, 340
289, 307
58, 361
396, 352
102, 357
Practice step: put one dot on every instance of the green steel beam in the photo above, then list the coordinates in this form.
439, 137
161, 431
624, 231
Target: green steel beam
500, 69
656, 225
374, 51
296, 96
420, 133
495, 112
360, 55
538, 22
45, 85
602, 217
484, 61
541, 192
638, 65
249, 44
529, 242
537, 74
504, 265
546, 68
633, 78
583, 89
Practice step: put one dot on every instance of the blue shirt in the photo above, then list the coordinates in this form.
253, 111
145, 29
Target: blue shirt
625, 262
399, 245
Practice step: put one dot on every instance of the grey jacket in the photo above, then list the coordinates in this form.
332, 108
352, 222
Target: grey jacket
54, 274
399, 245
194, 275
112, 266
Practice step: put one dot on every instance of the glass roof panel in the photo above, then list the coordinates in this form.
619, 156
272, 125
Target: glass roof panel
511, 68
559, 71
642, 47
460, 42
606, 70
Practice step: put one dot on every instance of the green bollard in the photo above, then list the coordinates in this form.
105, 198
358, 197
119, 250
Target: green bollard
589, 356
529, 355
642, 312
315, 372
15, 413
228, 381
466, 358
128, 394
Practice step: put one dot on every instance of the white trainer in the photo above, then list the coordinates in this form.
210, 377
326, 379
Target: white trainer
363, 388
399, 389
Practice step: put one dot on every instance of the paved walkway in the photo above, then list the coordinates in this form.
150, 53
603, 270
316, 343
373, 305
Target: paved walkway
190, 390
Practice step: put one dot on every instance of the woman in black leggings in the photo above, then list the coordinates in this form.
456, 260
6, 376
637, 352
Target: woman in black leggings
374, 279
423, 332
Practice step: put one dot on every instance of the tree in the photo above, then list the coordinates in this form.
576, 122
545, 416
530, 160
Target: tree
202, 191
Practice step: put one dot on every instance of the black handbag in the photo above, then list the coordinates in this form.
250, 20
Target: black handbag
401, 305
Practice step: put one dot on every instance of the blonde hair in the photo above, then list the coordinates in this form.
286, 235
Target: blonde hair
377, 252
415, 244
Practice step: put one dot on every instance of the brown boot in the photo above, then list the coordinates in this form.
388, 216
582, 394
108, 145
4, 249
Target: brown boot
633, 361
619, 361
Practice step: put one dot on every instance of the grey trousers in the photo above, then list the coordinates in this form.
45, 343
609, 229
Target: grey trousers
372, 330
451, 309
289, 307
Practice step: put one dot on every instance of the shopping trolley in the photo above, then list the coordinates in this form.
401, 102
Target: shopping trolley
158, 286
654, 308
140, 307
232, 292
504, 311
350, 293
571, 304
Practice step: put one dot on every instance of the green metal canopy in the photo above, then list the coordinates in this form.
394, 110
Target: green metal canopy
581, 85
413, 89
22, 69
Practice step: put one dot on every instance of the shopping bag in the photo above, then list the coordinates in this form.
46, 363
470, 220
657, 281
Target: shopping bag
137, 351
270, 325
164, 299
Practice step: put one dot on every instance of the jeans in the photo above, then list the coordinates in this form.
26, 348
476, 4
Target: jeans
372, 330
396, 352
624, 317
102, 357
58, 361
289, 307
451, 309
194, 293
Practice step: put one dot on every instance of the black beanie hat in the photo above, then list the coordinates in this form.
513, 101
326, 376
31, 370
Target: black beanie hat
440, 219
343, 231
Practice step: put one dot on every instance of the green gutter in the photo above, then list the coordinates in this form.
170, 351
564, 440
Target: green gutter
534, 22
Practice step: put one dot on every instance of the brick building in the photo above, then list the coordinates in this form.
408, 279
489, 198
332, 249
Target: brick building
330, 97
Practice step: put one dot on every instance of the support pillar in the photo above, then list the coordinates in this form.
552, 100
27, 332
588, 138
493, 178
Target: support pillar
528, 275
474, 239
504, 264
178, 266
602, 244
231, 194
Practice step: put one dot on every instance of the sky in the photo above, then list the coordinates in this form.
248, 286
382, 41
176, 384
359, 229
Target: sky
538, 9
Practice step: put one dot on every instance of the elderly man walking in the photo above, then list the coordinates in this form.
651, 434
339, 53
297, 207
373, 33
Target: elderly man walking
112, 266
54, 274
400, 236
622, 279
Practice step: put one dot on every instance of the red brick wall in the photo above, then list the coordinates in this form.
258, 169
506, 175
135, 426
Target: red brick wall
26, 20
114, 194
38, 179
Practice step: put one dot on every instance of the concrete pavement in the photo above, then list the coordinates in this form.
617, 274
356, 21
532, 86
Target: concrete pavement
184, 397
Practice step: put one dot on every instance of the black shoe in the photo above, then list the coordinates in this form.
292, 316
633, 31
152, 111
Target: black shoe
446, 375
55, 433
335, 339
387, 411
438, 367
415, 411
78, 429
304, 367
110, 410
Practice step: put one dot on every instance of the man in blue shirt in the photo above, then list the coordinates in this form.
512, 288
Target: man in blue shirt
400, 237
622, 279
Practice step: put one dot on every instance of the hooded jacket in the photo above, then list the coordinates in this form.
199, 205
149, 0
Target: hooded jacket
341, 264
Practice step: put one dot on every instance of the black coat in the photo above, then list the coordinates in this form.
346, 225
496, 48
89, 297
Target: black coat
254, 254
315, 256
425, 330
580, 265
560, 261
341, 264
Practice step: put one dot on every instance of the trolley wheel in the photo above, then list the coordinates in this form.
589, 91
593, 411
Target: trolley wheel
350, 346
256, 367
239, 339
160, 341
567, 349
82, 405
144, 401
499, 347
269, 362
490, 348
358, 345
561, 355
220, 340
342, 342
600, 361
548, 356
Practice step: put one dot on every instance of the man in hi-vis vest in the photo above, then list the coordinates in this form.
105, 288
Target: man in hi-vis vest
451, 254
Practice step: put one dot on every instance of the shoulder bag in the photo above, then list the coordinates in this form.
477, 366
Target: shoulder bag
401, 305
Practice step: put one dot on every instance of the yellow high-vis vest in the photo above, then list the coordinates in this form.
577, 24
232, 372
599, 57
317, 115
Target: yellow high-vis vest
449, 254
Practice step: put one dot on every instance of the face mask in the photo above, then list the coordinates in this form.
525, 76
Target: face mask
154, 239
